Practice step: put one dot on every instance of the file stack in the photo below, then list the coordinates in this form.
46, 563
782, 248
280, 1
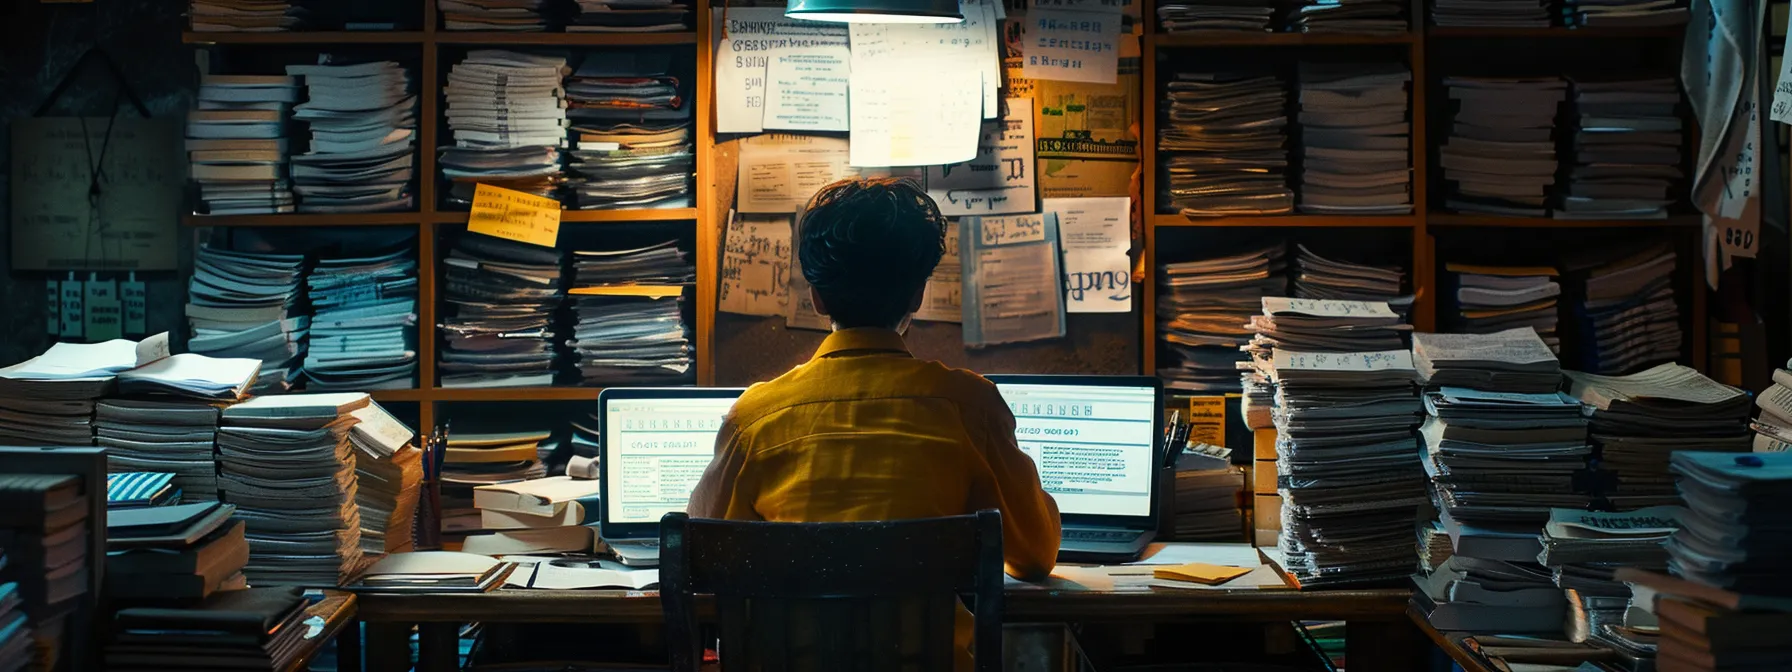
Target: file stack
363, 121
1317, 277
541, 515
631, 16
1241, 15
288, 465
475, 459
388, 480
1361, 17
242, 305
634, 133
1625, 312
1490, 299
1478, 595
1207, 494
1773, 427
173, 428
1500, 155
1624, 13
508, 115
1225, 143
174, 554
245, 16
363, 332
1626, 149
506, 15
1584, 548
1491, 13
1202, 310
501, 297
1355, 138
44, 528
261, 628
630, 315
1639, 421
49, 400
236, 140
15, 627
1347, 465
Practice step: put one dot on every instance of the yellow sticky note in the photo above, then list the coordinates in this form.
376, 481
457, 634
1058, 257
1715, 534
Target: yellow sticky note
514, 215
1200, 572
1207, 420
648, 291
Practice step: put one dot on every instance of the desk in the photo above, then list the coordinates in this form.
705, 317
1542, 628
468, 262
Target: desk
1381, 638
338, 613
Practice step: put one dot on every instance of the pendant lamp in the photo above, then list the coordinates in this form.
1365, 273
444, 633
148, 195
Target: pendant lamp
875, 11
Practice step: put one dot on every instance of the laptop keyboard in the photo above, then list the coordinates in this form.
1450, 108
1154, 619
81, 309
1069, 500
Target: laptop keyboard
1089, 534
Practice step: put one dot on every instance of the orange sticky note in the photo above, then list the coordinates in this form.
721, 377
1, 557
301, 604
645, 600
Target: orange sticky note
1200, 572
514, 215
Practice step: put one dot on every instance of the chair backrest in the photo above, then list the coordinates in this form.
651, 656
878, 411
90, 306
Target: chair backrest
833, 596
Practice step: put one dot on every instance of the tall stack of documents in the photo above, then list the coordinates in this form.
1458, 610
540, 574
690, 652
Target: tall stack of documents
242, 304
485, 458
1500, 155
1584, 548
168, 420
48, 400
1640, 420
500, 299
629, 309
288, 465
1626, 315
174, 554
1773, 426
44, 528
1317, 277
1489, 299
245, 16
1242, 15
363, 121
364, 330
1624, 13
1491, 13
1355, 139
505, 15
388, 480
507, 112
1347, 465
1202, 310
261, 628
236, 140
1361, 17
631, 16
633, 123
550, 514
1224, 143
1626, 149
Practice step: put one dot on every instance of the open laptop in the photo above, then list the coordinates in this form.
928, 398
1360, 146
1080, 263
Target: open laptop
655, 445
1097, 444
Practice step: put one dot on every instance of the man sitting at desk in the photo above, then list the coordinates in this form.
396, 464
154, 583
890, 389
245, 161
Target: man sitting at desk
865, 431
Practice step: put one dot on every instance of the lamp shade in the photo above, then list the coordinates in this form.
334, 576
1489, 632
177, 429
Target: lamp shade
875, 11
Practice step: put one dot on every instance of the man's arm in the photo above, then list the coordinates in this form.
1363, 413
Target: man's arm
716, 489
1030, 527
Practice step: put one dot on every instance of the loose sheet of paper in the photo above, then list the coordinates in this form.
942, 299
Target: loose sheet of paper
943, 299
753, 35
1011, 272
1095, 234
1072, 45
900, 119
778, 172
807, 89
756, 266
974, 44
514, 215
1177, 553
1000, 180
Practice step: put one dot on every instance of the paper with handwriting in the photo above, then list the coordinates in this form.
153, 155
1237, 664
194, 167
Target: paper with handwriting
1001, 178
756, 265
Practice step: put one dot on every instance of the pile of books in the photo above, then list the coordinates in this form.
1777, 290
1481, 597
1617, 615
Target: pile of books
1489, 299
544, 515
507, 112
1224, 143
629, 307
1500, 155
261, 628
49, 400
1317, 277
287, 463
1491, 13
1627, 143
1773, 426
161, 427
1240, 15
505, 15
1639, 421
633, 122
236, 140
498, 328
1207, 496
388, 480
44, 528
1355, 139
174, 554
364, 322
1625, 312
243, 304
631, 16
1360, 17
484, 458
245, 16
363, 121
1202, 309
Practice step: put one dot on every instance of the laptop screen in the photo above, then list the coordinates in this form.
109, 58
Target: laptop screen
1093, 444
655, 449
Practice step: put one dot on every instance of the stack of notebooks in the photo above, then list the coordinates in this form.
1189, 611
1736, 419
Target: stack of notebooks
1500, 155
1639, 421
363, 121
1317, 277
506, 15
242, 304
1627, 143
49, 400
1626, 316
630, 315
287, 463
1202, 309
1491, 13
15, 627
1360, 17
44, 528
1241, 15
544, 515
261, 628
172, 429
475, 459
499, 328
364, 326
236, 140
174, 554
388, 480
1584, 548
1224, 140
633, 123
1355, 139
137, 489
1624, 13
507, 112
1480, 595
1489, 299
1347, 467
245, 16
631, 16
1773, 426
1206, 499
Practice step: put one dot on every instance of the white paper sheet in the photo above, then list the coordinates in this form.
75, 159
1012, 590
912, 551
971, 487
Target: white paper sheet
1177, 553
1072, 45
943, 299
1000, 180
753, 34
900, 119
1011, 281
1096, 234
806, 89
756, 266
778, 172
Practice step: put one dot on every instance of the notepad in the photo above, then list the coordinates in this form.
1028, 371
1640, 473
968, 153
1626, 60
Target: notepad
1200, 572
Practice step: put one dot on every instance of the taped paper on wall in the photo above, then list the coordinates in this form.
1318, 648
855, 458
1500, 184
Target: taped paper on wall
1001, 179
1011, 279
756, 266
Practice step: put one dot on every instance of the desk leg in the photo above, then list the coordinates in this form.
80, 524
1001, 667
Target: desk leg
438, 647
388, 647
1384, 646
348, 647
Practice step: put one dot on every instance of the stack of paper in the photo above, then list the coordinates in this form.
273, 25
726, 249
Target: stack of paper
630, 315
633, 123
475, 459
1491, 13
1773, 427
1355, 139
1625, 312
48, 400
16, 640
241, 304
511, 15
1626, 149
388, 480
1499, 461
44, 528
1733, 536
1242, 15
1434, 546
245, 16
167, 435
556, 513
1207, 503
1224, 140
1500, 155
1624, 13
287, 463
508, 116
363, 121
1584, 548
1311, 325
261, 628
1362, 17
1513, 360
1488, 299
1317, 277
236, 140
179, 553
1478, 595
500, 298
363, 333
193, 376
1640, 420
631, 16
1202, 308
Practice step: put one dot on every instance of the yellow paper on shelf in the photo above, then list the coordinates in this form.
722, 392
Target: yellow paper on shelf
1207, 420
1200, 572
649, 291
514, 215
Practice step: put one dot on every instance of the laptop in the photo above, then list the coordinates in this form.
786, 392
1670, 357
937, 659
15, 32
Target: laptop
1097, 444
655, 444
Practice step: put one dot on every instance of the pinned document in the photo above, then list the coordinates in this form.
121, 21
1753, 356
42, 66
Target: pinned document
806, 89
899, 119
1011, 273
1096, 234
1000, 179
756, 265
943, 300
754, 36
1073, 45
514, 215
779, 172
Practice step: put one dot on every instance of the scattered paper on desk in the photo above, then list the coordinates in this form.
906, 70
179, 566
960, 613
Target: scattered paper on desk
806, 89
1011, 279
514, 215
1177, 553
779, 172
942, 301
1072, 45
754, 34
1000, 180
1096, 234
1200, 572
901, 119
756, 265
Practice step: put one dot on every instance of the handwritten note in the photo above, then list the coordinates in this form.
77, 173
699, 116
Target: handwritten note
1072, 45
778, 173
807, 89
1389, 360
1096, 234
756, 266
104, 311
899, 119
911, 48
942, 301
1010, 230
1782, 89
514, 215
1001, 178
1207, 420
754, 34
136, 306
1011, 280
1281, 305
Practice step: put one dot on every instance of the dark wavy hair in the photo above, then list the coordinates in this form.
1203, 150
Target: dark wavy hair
868, 246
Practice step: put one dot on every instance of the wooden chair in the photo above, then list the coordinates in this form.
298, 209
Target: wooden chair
833, 597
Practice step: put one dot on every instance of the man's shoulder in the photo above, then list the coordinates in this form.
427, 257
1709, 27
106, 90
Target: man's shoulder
917, 377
